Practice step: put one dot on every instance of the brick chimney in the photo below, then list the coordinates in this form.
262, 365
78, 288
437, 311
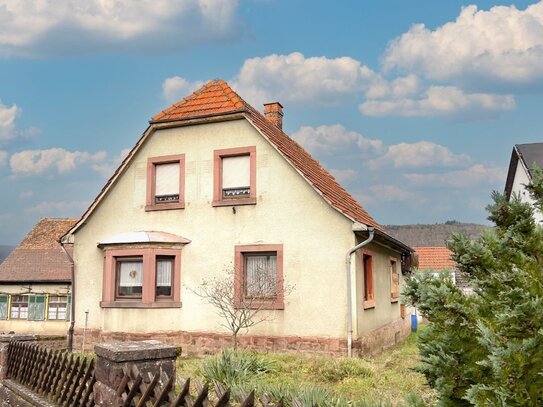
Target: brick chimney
274, 113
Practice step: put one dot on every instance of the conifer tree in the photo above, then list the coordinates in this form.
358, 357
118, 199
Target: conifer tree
486, 348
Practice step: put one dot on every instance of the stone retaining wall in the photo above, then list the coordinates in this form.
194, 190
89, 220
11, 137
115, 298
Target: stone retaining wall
202, 343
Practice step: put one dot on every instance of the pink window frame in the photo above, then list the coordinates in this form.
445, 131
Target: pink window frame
394, 297
152, 162
148, 296
218, 155
239, 275
369, 302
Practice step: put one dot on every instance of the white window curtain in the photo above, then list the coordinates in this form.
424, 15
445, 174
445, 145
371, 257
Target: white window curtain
167, 179
164, 273
261, 276
236, 171
131, 274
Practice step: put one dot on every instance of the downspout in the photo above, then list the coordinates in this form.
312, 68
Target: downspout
70, 342
349, 289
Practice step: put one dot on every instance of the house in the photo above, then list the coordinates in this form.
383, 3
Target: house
211, 186
35, 282
521, 165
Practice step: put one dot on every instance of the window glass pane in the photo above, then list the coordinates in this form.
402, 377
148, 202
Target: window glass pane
36, 307
236, 171
167, 179
130, 277
261, 275
164, 268
3, 306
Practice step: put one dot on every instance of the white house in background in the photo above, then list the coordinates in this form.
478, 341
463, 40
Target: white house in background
523, 158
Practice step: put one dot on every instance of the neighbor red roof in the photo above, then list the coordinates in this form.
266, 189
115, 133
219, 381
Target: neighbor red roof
217, 98
39, 257
434, 258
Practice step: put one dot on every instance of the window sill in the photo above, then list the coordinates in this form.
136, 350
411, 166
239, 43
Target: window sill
165, 206
394, 299
368, 304
235, 202
139, 304
262, 305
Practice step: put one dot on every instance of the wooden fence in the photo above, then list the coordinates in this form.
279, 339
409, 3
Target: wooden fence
69, 381
62, 378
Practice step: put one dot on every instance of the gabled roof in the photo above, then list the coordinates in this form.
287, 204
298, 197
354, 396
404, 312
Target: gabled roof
39, 257
216, 97
527, 155
434, 258
217, 101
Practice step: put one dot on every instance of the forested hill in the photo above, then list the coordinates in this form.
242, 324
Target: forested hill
5, 251
433, 235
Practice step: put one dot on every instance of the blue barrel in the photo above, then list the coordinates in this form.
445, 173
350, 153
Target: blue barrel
414, 322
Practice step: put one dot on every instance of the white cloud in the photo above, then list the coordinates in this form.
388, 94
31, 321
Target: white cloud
3, 157
63, 207
344, 176
418, 155
334, 140
295, 78
176, 88
381, 193
441, 101
59, 160
402, 87
45, 27
7, 121
106, 167
502, 44
26, 194
475, 175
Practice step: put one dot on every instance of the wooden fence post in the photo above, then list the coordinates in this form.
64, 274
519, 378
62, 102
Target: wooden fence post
148, 356
4, 343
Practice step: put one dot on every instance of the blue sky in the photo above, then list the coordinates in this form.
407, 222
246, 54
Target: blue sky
414, 106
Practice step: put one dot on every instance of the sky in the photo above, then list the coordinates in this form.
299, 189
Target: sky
414, 106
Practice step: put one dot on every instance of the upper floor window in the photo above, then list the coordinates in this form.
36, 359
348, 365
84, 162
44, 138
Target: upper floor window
234, 176
165, 182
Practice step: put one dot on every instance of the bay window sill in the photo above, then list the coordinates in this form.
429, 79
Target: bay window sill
368, 304
139, 304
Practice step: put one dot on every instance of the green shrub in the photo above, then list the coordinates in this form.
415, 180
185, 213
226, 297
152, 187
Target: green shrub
235, 367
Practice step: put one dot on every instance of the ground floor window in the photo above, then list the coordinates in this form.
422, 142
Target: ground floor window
19, 307
367, 274
139, 278
58, 307
4, 304
259, 276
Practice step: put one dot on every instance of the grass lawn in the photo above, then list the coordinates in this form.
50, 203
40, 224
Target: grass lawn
387, 377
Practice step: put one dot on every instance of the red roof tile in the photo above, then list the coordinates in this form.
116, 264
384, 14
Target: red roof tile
217, 98
39, 256
434, 258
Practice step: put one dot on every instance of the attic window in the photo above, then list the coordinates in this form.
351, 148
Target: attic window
235, 176
165, 182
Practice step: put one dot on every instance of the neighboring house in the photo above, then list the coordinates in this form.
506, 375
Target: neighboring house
439, 260
35, 282
214, 185
523, 159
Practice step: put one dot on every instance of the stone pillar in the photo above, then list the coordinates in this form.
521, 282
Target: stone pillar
148, 356
4, 342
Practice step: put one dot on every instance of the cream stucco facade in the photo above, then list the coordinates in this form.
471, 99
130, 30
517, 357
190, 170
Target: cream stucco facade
288, 212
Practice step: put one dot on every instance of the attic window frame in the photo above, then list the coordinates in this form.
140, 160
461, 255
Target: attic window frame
152, 162
218, 156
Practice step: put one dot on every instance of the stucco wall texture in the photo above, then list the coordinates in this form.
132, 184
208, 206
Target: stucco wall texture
315, 238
